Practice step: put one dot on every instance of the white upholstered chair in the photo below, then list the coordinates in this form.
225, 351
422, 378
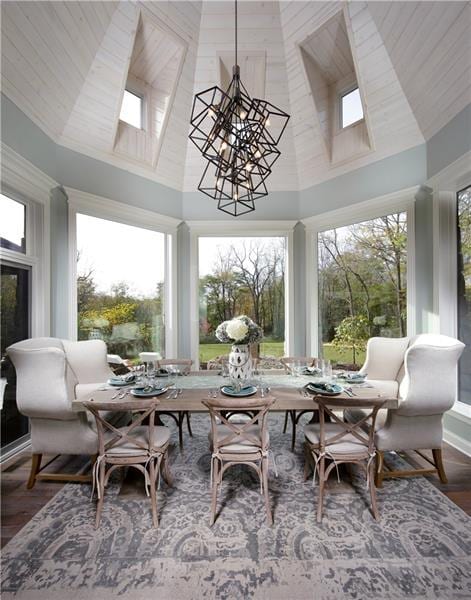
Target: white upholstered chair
51, 373
421, 372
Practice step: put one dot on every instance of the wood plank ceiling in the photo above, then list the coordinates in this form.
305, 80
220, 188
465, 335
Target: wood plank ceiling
65, 65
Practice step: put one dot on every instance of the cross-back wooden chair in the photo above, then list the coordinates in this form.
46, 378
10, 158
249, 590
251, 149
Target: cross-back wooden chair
288, 363
341, 442
185, 367
235, 443
143, 447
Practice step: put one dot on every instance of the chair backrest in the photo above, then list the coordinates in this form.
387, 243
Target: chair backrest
45, 384
384, 357
183, 363
238, 432
109, 436
289, 361
327, 407
429, 385
88, 360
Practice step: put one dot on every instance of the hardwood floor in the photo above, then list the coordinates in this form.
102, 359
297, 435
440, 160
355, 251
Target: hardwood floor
19, 505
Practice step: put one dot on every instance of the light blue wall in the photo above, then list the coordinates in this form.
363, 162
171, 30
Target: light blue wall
277, 206
184, 285
424, 260
391, 174
451, 142
75, 170
59, 264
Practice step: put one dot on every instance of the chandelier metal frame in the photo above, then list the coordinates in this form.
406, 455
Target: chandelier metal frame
238, 136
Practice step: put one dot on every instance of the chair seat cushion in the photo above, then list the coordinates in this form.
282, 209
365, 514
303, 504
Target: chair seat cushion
348, 444
244, 446
353, 415
389, 388
140, 433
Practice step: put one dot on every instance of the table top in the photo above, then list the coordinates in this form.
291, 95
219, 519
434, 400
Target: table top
286, 389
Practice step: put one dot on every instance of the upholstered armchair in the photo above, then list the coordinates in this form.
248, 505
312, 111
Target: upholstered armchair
51, 373
421, 372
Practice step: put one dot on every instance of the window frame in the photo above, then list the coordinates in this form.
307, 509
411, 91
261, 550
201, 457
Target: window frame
104, 208
403, 201
340, 97
241, 229
445, 186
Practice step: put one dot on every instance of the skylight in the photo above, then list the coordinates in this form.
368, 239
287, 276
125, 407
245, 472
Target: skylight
351, 108
131, 109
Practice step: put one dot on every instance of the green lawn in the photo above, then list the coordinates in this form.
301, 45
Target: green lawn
209, 351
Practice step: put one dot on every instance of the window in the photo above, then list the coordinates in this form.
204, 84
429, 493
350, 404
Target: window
362, 275
464, 292
15, 293
12, 224
131, 109
120, 286
242, 275
351, 109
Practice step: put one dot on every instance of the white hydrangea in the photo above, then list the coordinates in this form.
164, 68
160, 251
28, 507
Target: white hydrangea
236, 329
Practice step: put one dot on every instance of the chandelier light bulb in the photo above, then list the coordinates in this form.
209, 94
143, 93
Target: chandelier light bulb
248, 166
222, 147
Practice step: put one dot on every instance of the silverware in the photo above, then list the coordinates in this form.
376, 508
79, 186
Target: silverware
349, 389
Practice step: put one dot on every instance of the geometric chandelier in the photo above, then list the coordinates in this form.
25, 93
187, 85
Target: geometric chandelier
238, 136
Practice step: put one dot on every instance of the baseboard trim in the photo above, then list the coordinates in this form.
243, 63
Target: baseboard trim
458, 442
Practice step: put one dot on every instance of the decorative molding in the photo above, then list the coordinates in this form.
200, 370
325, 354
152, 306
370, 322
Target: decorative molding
255, 228
99, 206
451, 177
362, 211
23, 177
460, 412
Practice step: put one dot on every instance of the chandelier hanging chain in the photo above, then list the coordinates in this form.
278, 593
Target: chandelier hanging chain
235, 29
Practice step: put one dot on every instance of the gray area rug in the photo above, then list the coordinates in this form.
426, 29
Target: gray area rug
420, 549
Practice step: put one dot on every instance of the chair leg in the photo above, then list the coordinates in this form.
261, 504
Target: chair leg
264, 475
285, 425
214, 490
307, 461
153, 495
35, 467
165, 470
188, 424
372, 486
101, 491
438, 460
379, 469
320, 501
181, 416
293, 431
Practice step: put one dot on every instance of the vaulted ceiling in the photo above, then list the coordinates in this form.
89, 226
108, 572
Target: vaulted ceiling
66, 65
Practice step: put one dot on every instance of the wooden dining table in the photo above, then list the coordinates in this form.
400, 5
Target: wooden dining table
286, 389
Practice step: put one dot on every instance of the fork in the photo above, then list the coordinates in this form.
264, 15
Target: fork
350, 391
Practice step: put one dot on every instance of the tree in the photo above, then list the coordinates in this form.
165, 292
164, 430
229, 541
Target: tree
353, 332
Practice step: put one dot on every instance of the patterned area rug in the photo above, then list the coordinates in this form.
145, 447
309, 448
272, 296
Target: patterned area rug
420, 549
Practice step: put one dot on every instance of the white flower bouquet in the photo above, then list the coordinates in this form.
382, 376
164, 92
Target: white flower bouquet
239, 330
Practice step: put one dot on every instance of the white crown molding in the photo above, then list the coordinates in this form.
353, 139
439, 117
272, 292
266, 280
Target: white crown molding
360, 211
23, 177
99, 206
225, 228
451, 175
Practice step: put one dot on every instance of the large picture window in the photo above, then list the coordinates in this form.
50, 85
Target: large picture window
464, 291
242, 275
362, 276
120, 286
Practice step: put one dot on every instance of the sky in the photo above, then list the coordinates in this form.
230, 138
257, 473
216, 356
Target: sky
118, 252
12, 220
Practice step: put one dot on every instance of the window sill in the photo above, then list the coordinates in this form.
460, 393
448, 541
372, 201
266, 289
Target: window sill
461, 411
